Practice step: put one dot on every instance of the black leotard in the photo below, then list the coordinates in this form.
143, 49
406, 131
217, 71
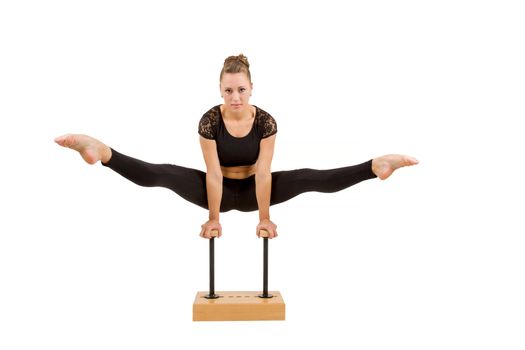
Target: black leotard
236, 151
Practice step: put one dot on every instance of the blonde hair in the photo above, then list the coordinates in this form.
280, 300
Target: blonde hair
236, 64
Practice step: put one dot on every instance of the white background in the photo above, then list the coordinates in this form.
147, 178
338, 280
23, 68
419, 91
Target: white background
432, 258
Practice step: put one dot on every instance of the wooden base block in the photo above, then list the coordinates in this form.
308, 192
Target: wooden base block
238, 306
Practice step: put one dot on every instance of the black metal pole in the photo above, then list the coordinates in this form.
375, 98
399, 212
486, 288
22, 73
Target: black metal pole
212, 294
265, 270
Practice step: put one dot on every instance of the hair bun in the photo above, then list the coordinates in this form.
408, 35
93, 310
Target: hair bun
239, 58
244, 60
236, 64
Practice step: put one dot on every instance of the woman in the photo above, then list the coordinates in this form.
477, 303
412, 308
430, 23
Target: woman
237, 141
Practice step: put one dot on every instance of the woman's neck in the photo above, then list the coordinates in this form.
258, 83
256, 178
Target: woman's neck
245, 113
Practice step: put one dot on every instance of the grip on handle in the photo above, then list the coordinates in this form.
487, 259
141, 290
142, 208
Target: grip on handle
264, 234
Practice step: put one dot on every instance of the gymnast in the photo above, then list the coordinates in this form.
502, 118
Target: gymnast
237, 141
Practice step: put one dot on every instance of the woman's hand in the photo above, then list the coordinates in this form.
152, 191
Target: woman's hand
268, 225
208, 226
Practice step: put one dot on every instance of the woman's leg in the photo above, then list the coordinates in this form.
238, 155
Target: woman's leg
288, 184
188, 183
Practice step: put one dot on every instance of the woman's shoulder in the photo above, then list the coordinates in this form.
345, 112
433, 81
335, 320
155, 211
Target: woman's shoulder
213, 112
209, 121
265, 122
261, 113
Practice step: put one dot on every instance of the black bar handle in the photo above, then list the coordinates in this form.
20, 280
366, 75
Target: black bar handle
211, 294
265, 234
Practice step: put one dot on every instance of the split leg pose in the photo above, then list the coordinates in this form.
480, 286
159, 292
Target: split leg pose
237, 194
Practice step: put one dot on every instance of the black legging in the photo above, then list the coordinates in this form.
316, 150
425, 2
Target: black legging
190, 184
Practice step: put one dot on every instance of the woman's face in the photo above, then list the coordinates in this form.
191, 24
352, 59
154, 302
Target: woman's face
236, 90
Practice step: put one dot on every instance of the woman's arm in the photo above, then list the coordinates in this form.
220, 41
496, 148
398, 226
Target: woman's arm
263, 184
213, 186
214, 189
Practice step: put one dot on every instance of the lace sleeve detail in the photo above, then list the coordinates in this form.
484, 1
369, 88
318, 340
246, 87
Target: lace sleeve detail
268, 125
208, 125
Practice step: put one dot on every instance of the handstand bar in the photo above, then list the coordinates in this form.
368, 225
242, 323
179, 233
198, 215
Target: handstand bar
211, 294
264, 234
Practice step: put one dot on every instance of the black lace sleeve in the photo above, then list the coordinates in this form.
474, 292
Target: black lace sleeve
208, 125
267, 124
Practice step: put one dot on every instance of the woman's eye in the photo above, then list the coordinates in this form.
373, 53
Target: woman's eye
242, 89
228, 91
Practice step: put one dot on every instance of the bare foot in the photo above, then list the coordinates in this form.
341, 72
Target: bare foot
384, 166
91, 149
